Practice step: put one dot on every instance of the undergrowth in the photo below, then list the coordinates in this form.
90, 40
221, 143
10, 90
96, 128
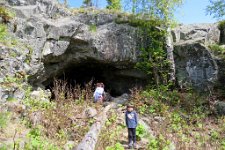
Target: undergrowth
183, 118
110, 135
218, 50
63, 118
52, 123
4, 119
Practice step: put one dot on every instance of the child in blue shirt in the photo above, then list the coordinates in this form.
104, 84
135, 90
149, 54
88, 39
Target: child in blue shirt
131, 123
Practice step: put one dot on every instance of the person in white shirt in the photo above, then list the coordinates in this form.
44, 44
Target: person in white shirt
99, 93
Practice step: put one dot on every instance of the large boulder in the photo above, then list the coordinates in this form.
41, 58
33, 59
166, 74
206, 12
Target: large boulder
209, 33
195, 64
220, 107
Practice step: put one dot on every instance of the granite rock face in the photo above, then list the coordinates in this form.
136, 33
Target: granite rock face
60, 41
194, 61
80, 46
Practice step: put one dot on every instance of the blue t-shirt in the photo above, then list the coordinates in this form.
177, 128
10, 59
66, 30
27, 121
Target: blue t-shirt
131, 119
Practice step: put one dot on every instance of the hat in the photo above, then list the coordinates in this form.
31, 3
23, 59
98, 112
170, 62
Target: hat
130, 106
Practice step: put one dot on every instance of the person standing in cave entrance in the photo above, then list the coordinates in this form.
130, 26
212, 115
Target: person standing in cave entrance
99, 93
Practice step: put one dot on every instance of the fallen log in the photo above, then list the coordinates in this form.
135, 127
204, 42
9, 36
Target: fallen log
90, 139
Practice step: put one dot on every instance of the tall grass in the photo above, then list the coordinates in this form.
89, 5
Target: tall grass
64, 120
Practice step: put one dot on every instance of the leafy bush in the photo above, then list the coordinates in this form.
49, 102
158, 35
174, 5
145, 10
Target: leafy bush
217, 48
92, 28
4, 118
4, 147
37, 142
221, 25
3, 32
117, 146
6, 14
140, 131
60, 118
114, 4
158, 143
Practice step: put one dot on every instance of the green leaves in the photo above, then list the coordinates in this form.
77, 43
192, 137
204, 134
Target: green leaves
114, 4
117, 146
3, 32
216, 9
6, 14
140, 131
4, 118
87, 3
158, 9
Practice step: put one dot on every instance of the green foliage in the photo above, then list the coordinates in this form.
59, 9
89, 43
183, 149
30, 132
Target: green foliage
114, 4
117, 146
180, 115
158, 143
221, 25
92, 28
5, 146
37, 142
8, 40
3, 32
111, 133
6, 14
140, 131
218, 50
176, 121
4, 118
153, 144
222, 145
159, 9
216, 8
152, 58
87, 3
215, 135
36, 104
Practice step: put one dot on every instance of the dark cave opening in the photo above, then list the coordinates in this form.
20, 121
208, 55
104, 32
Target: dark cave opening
116, 82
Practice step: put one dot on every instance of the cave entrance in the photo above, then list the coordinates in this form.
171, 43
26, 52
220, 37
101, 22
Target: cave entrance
115, 80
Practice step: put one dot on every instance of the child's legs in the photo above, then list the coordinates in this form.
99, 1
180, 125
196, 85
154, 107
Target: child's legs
130, 134
134, 135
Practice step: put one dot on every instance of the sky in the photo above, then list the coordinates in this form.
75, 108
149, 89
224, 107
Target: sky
192, 11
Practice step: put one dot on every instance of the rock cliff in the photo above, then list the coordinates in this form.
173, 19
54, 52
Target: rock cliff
81, 46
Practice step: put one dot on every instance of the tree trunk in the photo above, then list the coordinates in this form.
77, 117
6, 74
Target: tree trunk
170, 58
90, 139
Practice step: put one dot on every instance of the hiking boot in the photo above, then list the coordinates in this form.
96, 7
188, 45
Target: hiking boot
135, 146
130, 146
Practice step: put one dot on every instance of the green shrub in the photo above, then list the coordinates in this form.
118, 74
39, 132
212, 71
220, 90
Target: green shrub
117, 146
158, 143
92, 28
217, 48
221, 25
3, 32
4, 118
222, 145
6, 14
140, 131
114, 4
153, 144
37, 142
5, 147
